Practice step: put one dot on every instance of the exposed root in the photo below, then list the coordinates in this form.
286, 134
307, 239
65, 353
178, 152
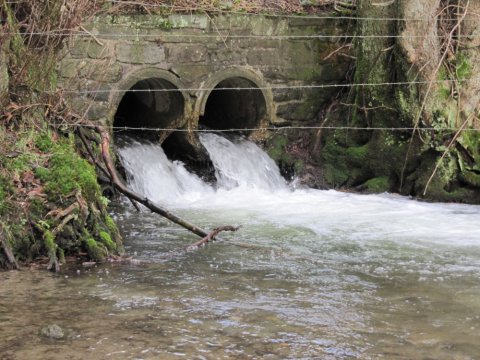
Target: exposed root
8, 251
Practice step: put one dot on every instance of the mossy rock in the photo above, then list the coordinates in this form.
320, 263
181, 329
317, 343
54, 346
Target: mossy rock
377, 185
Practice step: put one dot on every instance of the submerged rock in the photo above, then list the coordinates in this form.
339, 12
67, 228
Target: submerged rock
52, 331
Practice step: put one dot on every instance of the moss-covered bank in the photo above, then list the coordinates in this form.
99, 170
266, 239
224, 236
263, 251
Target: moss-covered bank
432, 152
51, 204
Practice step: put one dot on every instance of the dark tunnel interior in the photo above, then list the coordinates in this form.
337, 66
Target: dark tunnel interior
152, 103
235, 103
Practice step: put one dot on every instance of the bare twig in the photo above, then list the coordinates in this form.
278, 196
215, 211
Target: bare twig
212, 236
337, 50
224, 39
93, 36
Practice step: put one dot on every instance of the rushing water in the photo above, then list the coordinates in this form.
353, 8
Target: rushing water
310, 275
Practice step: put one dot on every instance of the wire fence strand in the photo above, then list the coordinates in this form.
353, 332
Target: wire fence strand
227, 35
273, 88
271, 128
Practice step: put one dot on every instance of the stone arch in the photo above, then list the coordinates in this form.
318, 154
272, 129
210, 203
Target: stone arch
224, 109
160, 109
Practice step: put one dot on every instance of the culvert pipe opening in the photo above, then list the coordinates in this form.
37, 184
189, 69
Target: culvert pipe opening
235, 103
152, 103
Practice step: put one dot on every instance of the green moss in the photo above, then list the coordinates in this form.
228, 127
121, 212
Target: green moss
299, 166
463, 67
21, 163
334, 158
44, 142
61, 255
335, 176
444, 93
277, 149
68, 172
95, 251
49, 241
471, 178
357, 155
378, 184
277, 146
37, 209
110, 223
470, 140
106, 239
51, 246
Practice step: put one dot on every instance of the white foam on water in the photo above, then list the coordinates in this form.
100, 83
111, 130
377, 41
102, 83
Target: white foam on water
250, 189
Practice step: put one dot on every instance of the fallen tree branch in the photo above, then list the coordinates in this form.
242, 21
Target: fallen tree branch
212, 235
83, 138
118, 184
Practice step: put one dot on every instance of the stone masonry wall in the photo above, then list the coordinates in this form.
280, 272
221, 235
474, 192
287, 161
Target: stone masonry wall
196, 52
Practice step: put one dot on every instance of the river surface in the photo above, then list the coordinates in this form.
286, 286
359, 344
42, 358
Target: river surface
310, 274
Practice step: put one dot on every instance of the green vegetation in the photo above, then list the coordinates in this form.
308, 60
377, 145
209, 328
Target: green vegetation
95, 251
106, 239
50, 201
378, 184
68, 172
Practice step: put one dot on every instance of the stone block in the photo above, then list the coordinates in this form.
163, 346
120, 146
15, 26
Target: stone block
140, 53
190, 36
97, 51
192, 72
309, 21
196, 21
78, 48
89, 48
246, 43
224, 56
73, 68
287, 94
105, 29
261, 26
299, 52
105, 72
266, 57
185, 53
79, 104
99, 91
96, 110
229, 22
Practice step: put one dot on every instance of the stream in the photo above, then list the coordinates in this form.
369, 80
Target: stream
310, 274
